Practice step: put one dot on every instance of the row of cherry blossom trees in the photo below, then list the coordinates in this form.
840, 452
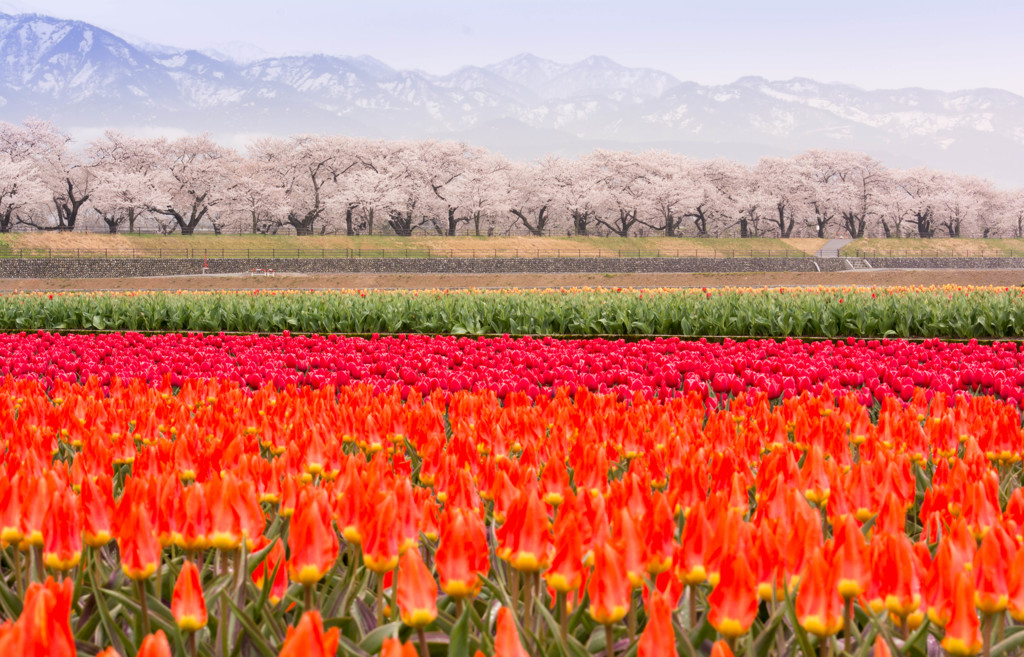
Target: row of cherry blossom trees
315, 184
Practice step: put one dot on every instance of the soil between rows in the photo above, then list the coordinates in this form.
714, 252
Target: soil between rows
882, 277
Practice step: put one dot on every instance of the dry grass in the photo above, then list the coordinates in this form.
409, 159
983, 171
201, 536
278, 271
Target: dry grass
935, 247
96, 245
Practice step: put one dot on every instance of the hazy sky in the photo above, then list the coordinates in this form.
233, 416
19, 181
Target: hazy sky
940, 44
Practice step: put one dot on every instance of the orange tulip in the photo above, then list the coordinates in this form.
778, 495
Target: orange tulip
140, 549
108, 652
312, 540
309, 638
462, 554
1016, 590
379, 533
850, 560
721, 649
819, 608
417, 591
659, 528
609, 586
225, 524
187, 603
991, 588
525, 537
881, 647
940, 582
155, 645
62, 532
506, 637
273, 565
44, 627
963, 636
97, 503
395, 648
689, 561
733, 602
658, 637
566, 571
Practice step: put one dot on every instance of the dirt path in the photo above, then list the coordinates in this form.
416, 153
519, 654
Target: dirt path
419, 281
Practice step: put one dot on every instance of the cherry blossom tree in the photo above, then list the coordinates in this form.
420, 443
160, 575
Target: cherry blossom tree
783, 185
1013, 202
625, 189
61, 169
577, 190
21, 191
480, 191
307, 168
531, 194
195, 174
920, 188
125, 184
669, 190
718, 184
255, 196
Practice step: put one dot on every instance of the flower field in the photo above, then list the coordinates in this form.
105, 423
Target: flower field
416, 495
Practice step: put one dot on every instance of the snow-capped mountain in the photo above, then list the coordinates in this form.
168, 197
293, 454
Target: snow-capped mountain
84, 78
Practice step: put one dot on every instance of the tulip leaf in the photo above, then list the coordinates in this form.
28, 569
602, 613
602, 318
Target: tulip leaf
1011, 643
253, 632
372, 642
764, 641
458, 645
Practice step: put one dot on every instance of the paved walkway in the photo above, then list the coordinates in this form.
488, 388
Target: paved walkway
831, 248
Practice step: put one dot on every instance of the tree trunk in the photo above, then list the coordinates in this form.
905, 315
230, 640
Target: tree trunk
303, 224
744, 227
453, 222
349, 230
401, 223
131, 220
535, 229
700, 221
579, 222
6, 220
476, 223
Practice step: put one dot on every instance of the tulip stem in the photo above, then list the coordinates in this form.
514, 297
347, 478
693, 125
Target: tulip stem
609, 641
986, 634
394, 594
380, 599
307, 600
528, 602
823, 646
193, 646
422, 636
140, 585
631, 620
693, 606
19, 576
563, 617
513, 576
847, 622
37, 563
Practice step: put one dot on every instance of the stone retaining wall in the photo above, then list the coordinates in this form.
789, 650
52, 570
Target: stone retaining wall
139, 267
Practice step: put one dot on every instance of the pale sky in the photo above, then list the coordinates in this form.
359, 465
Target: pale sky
937, 44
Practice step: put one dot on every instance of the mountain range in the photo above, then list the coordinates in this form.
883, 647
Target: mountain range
86, 79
